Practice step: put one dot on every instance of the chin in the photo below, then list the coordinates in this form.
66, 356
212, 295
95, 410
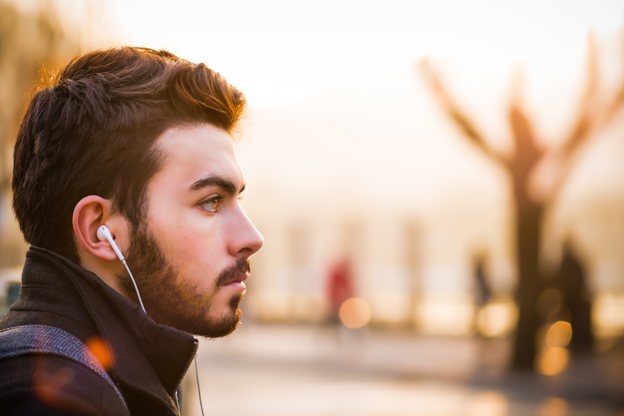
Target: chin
225, 326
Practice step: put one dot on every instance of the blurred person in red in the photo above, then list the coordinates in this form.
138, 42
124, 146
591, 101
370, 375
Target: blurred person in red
340, 287
127, 187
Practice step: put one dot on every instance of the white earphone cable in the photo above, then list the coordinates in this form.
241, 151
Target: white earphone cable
136, 288
201, 404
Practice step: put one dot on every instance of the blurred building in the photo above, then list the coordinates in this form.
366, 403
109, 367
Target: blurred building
375, 174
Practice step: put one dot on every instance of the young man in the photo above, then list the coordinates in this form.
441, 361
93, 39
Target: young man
139, 141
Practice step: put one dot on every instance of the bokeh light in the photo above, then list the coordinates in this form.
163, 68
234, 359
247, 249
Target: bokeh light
354, 313
554, 406
497, 318
102, 352
552, 361
559, 334
489, 403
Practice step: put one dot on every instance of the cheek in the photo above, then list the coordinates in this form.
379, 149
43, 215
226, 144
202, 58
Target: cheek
190, 242
193, 250
168, 226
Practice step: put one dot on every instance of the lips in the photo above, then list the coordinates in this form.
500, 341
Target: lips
236, 274
236, 279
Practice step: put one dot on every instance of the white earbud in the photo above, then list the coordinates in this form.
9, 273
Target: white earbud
103, 233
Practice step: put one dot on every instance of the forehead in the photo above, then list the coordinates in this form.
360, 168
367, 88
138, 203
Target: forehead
189, 152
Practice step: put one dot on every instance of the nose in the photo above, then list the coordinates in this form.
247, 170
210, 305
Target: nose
246, 239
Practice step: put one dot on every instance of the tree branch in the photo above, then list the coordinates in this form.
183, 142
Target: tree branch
585, 120
460, 119
592, 115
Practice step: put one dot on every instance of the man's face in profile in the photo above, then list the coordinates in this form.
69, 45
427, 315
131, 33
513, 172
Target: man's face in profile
190, 254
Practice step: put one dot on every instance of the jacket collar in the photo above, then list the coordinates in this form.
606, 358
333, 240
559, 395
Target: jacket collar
147, 356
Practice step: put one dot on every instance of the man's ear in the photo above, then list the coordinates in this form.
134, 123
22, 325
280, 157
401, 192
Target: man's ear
89, 213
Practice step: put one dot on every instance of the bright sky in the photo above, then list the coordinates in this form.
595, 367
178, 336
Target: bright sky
278, 51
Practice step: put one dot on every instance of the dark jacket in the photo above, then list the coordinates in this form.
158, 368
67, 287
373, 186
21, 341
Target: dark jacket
148, 360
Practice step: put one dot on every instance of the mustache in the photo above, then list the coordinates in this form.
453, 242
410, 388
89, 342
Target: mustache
234, 272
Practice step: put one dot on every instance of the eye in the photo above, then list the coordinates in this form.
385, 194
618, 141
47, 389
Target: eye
212, 204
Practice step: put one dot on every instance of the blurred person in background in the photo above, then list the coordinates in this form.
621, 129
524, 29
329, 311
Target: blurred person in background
482, 290
127, 188
577, 298
340, 287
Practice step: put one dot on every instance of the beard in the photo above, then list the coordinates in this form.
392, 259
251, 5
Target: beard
169, 298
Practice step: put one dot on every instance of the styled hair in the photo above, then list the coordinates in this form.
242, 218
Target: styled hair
92, 132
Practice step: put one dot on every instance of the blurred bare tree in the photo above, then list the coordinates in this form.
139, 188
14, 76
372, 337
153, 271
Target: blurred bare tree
536, 175
32, 41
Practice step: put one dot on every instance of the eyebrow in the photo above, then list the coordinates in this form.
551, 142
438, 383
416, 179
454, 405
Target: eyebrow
228, 186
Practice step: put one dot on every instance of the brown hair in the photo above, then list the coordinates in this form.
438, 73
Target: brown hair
91, 132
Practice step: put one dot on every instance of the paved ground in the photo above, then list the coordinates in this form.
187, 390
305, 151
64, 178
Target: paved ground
275, 370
